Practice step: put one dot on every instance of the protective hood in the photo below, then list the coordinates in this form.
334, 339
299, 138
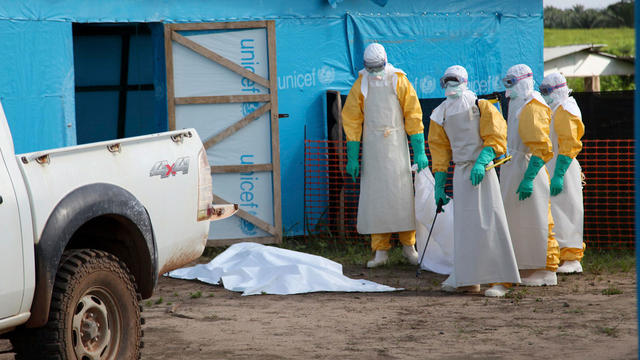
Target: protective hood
453, 106
523, 87
374, 55
560, 92
389, 71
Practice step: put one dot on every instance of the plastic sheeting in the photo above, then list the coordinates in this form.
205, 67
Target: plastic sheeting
258, 269
438, 256
318, 48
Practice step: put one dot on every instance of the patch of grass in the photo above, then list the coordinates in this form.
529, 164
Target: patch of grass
516, 295
353, 252
196, 295
609, 331
611, 290
149, 303
600, 262
620, 41
158, 301
169, 303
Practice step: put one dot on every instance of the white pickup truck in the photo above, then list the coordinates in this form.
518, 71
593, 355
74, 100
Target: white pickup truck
85, 233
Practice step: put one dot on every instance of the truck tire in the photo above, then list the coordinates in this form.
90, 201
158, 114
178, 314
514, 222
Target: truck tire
94, 314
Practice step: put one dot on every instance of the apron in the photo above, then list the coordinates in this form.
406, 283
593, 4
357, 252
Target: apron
567, 208
483, 252
386, 188
528, 219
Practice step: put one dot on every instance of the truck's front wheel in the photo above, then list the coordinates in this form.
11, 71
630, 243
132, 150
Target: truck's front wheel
95, 312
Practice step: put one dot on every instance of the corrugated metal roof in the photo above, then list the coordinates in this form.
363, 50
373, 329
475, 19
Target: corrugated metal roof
554, 52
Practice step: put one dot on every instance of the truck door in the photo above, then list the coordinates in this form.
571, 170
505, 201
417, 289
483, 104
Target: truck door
11, 257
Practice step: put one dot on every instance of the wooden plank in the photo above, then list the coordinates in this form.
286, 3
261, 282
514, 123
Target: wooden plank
223, 99
168, 55
213, 56
219, 25
237, 126
223, 169
227, 242
275, 131
263, 225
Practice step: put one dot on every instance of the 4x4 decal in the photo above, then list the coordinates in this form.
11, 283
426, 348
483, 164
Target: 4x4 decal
163, 169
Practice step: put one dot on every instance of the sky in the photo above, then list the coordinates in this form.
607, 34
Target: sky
588, 4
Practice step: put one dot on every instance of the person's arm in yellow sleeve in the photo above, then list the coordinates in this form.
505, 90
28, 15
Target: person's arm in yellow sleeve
570, 130
412, 113
535, 120
353, 113
410, 105
440, 147
493, 127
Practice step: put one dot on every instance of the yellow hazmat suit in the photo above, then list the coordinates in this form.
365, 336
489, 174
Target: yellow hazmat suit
379, 107
567, 207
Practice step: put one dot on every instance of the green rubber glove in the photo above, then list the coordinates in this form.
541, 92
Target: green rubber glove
526, 185
440, 195
353, 159
419, 157
477, 172
557, 181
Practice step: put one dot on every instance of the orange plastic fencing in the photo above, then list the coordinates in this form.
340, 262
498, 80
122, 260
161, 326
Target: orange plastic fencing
331, 196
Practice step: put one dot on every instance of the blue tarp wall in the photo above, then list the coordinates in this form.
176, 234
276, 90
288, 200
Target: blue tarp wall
319, 47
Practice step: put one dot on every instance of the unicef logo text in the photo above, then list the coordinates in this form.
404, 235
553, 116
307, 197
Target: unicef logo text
247, 227
248, 108
326, 75
427, 84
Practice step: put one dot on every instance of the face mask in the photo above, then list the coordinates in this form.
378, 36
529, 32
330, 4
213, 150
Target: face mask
377, 74
511, 94
453, 92
548, 99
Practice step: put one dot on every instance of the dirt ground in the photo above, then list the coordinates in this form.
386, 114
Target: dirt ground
585, 317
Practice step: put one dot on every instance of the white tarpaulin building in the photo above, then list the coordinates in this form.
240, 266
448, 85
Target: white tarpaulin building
586, 61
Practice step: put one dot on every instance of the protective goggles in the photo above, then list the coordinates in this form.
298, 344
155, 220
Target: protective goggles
546, 89
510, 80
452, 80
374, 67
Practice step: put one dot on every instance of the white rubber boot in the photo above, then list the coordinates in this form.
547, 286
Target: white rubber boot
570, 267
410, 253
381, 258
540, 278
496, 291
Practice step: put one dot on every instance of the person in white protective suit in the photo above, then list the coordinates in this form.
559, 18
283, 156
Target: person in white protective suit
381, 109
524, 181
472, 132
566, 183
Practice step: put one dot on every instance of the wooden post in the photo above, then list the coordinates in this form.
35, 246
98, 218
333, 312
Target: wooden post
592, 83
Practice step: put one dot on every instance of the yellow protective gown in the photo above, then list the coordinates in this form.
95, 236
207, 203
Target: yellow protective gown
380, 113
567, 207
530, 220
483, 252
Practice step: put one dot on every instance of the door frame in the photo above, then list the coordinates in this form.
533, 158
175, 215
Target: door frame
270, 104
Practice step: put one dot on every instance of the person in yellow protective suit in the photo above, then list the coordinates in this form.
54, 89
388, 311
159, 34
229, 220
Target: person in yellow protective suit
472, 132
524, 181
566, 183
381, 108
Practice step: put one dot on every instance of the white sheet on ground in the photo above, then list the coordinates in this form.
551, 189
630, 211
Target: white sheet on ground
253, 269
439, 254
